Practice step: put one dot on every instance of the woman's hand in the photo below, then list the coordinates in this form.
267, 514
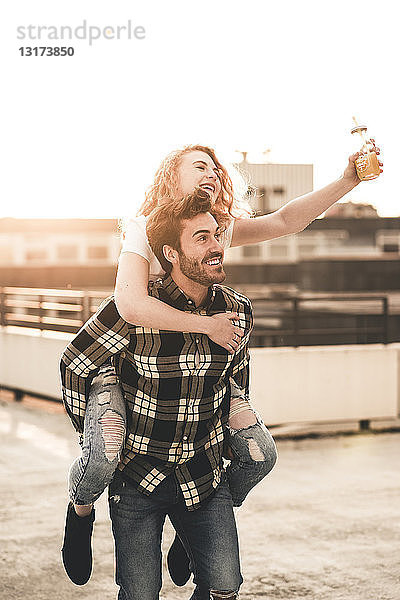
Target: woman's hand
350, 173
224, 332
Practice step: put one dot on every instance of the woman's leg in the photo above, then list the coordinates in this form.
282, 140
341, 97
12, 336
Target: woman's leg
102, 441
252, 449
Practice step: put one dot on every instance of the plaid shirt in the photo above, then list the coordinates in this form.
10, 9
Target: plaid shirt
176, 387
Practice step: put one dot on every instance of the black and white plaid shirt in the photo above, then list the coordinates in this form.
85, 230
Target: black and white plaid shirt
176, 387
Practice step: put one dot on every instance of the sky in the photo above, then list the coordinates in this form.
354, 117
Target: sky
83, 134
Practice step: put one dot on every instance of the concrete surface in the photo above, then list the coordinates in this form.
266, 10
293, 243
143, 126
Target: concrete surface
324, 525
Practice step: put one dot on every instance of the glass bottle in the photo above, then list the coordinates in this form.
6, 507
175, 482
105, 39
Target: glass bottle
367, 165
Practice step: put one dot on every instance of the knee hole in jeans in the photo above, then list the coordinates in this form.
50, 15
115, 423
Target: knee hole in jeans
255, 451
113, 432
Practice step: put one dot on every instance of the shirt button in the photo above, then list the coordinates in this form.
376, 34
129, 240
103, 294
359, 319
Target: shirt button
185, 437
190, 302
198, 340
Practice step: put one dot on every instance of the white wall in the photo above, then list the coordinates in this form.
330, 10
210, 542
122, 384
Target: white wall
326, 383
30, 361
319, 383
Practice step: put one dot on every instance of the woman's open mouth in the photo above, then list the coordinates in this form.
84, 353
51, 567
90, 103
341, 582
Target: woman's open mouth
209, 187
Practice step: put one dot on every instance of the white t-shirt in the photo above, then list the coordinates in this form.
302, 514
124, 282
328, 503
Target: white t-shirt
135, 240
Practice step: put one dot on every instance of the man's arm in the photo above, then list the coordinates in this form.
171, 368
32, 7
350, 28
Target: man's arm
103, 335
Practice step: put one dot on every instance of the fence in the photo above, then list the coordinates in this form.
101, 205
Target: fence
46, 309
283, 321
321, 319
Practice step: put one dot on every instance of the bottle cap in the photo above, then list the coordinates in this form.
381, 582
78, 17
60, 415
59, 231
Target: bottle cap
359, 128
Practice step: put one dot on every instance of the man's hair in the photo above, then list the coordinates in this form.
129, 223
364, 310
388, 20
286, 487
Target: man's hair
164, 224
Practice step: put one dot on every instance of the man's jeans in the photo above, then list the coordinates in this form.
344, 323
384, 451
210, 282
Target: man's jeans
208, 533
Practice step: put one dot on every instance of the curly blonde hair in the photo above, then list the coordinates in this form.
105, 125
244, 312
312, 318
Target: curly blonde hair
232, 202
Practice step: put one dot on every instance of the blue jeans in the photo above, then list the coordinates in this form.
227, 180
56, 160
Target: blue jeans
253, 448
208, 533
102, 440
254, 456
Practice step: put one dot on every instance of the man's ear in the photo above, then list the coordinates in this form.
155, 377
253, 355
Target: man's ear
170, 254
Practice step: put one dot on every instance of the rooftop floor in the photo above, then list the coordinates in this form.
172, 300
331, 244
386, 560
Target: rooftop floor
325, 524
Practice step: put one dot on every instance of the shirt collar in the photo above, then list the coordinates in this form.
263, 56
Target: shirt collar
181, 300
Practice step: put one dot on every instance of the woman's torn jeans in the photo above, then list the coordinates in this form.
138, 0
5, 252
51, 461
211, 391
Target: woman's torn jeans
102, 441
254, 454
253, 448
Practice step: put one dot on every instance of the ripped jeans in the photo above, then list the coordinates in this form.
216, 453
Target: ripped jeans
254, 454
102, 440
253, 448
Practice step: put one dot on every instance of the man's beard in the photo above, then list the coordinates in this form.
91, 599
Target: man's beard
198, 272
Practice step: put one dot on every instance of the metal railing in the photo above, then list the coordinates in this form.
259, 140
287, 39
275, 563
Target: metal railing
282, 321
321, 319
47, 309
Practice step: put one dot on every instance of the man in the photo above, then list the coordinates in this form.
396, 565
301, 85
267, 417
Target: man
177, 393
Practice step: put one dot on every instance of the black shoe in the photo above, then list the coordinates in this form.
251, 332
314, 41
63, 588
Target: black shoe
77, 546
178, 563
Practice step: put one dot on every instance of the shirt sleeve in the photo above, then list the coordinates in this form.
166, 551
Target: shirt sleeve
103, 335
227, 235
239, 369
135, 239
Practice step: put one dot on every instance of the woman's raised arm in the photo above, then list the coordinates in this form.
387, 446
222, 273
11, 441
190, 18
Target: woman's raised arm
297, 214
137, 307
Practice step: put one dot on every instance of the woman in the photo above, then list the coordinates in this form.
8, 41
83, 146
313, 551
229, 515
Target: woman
251, 447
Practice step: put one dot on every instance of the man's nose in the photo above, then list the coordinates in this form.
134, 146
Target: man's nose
216, 246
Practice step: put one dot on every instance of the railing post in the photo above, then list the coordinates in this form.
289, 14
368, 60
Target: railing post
40, 299
85, 312
2, 308
18, 395
295, 321
385, 306
365, 425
